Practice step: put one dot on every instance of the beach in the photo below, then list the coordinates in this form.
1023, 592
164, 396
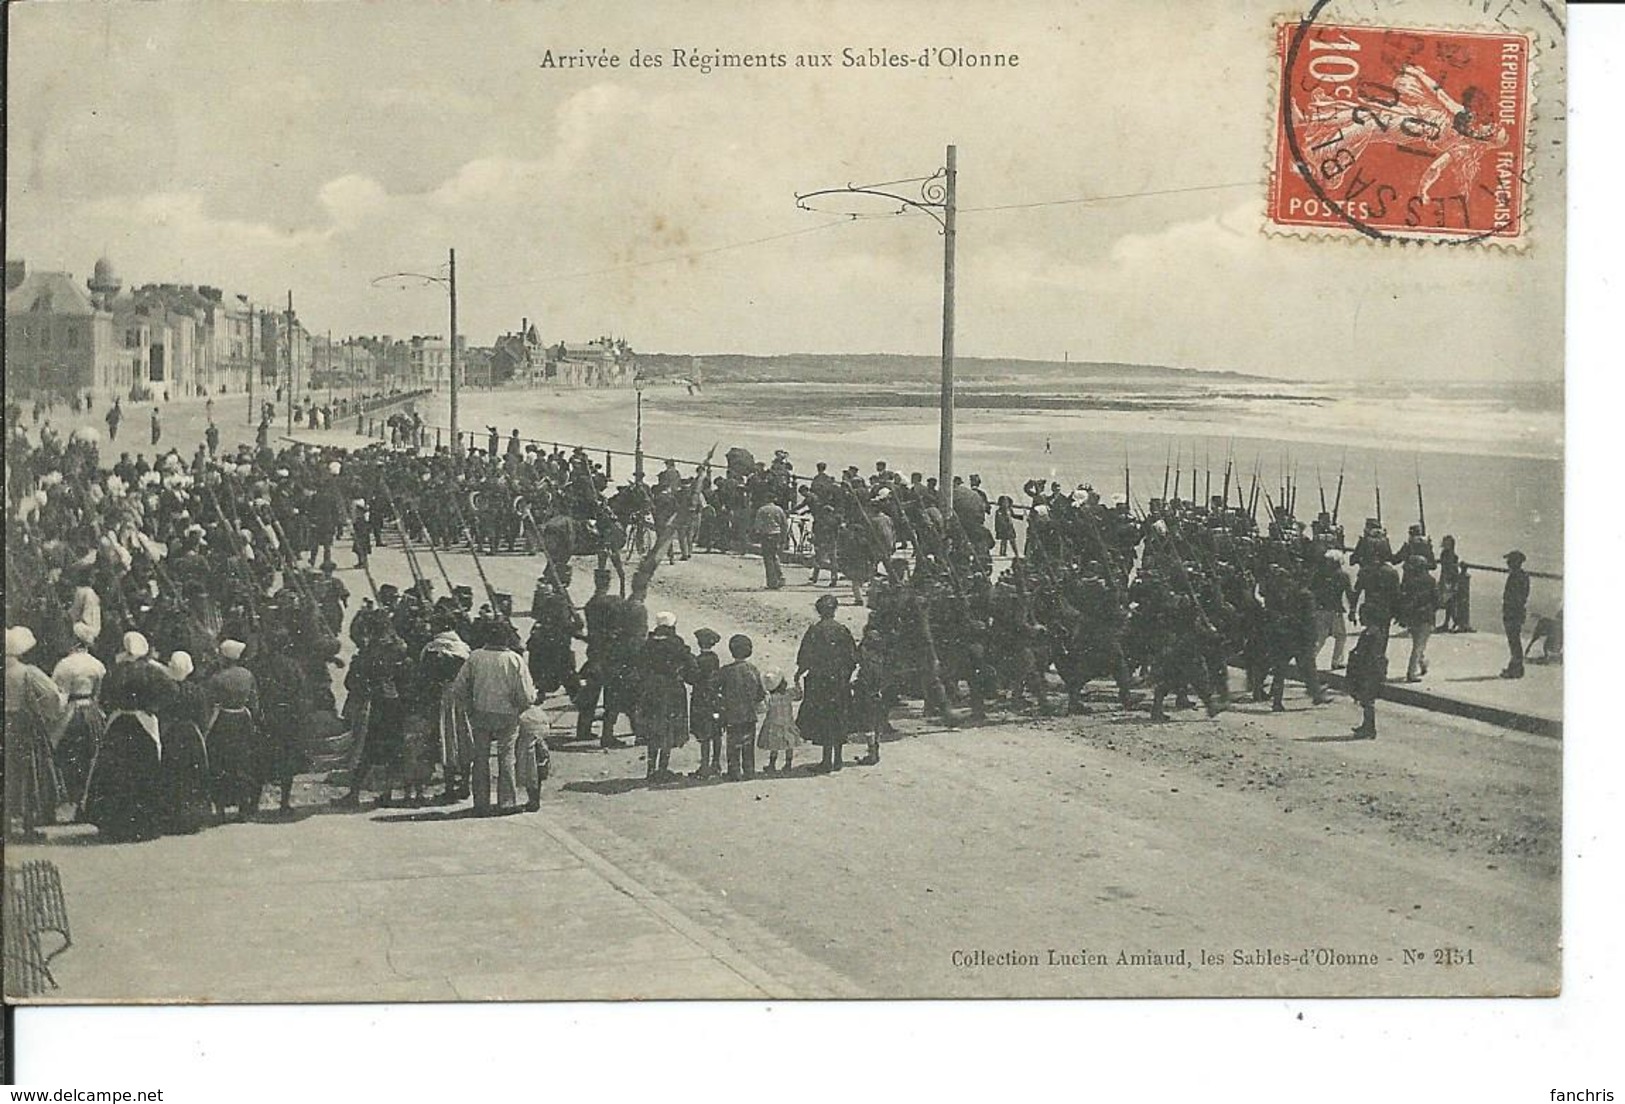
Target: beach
1490, 467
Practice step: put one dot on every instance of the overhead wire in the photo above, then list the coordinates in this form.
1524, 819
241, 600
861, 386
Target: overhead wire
841, 219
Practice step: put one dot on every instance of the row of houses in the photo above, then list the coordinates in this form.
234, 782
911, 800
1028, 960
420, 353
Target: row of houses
64, 337
521, 356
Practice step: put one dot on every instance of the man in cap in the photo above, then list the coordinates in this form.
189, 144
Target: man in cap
1418, 610
976, 485
555, 623
1514, 608
1330, 585
332, 595
496, 686
1416, 544
602, 614
769, 527
1377, 594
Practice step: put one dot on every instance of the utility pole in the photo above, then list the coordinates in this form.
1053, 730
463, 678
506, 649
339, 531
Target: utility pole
291, 377
945, 455
936, 196
456, 441
249, 304
450, 281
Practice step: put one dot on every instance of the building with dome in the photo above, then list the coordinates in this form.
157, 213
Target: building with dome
63, 337
57, 339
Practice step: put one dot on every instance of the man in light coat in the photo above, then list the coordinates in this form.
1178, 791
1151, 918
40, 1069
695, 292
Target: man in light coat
496, 686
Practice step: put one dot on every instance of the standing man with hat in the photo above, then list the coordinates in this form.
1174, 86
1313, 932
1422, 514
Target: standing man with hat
599, 677
1514, 608
496, 687
555, 625
770, 525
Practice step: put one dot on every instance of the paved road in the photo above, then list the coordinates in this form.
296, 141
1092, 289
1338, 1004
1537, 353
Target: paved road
1253, 833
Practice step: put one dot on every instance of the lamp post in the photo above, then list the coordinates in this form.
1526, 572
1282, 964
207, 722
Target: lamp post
936, 196
637, 440
291, 373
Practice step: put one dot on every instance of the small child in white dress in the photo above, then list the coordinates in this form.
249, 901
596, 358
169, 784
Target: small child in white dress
779, 732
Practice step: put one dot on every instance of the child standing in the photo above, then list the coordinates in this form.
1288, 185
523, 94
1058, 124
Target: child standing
869, 692
1004, 527
779, 732
742, 691
705, 704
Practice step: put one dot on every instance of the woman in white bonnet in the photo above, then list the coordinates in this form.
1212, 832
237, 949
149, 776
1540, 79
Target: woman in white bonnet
665, 665
125, 796
185, 761
234, 737
34, 710
79, 676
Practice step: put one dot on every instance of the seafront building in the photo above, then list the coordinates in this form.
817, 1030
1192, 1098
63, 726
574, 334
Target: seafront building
63, 336
66, 336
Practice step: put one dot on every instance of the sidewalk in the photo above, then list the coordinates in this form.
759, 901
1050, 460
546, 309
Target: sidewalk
380, 906
1464, 680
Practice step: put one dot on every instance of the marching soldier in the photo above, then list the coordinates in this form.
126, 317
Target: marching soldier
603, 620
555, 625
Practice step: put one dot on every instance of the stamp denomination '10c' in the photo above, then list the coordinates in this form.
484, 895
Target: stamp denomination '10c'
1401, 134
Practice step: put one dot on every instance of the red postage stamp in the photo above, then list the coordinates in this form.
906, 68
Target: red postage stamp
1401, 134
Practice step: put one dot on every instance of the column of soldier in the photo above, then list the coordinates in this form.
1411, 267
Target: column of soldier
173, 625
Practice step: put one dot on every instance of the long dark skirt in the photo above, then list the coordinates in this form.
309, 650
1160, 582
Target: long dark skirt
186, 778
234, 767
386, 732
383, 745
32, 787
126, 799
662, 714
77, 748
283, 756
825, 715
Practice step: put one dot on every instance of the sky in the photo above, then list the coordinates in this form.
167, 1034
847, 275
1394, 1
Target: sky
264, 147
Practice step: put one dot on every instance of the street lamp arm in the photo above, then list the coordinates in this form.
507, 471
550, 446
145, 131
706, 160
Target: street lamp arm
377, 281
931, 201
937, 197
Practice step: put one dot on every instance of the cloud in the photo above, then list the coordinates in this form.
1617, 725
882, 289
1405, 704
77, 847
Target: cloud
352, 199
266, 150
1234, 232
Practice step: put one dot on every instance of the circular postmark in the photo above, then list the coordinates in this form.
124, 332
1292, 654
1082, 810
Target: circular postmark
1403, 133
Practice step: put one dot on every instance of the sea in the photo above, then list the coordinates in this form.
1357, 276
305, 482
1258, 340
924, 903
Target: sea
1480, 461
